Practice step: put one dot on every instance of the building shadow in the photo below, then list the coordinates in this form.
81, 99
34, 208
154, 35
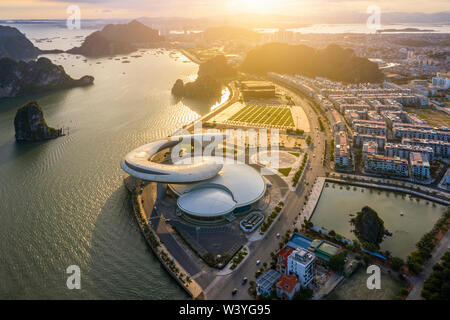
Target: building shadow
122, 265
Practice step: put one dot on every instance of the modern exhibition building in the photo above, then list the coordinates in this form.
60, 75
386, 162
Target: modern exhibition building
209, 189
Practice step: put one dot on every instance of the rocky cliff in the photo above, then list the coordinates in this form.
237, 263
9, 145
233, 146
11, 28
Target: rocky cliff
30, 124
204, 88
15, 45
117, 39
21, 78
208, 84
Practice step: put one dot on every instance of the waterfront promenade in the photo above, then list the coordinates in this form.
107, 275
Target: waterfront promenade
316, 192
164, 255
418, 280
423, 192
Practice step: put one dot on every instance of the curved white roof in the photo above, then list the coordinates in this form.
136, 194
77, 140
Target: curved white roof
137, 163
207, 202
242, 182
206, 186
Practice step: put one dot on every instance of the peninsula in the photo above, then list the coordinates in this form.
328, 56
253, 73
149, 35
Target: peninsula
20, 78
15, 45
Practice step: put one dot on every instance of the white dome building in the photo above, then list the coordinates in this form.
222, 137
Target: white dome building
236, 189
209, 189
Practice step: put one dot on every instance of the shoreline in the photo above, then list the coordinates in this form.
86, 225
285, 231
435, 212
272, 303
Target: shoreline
323, 180
177, 272
190, 56
193, 289
232, 99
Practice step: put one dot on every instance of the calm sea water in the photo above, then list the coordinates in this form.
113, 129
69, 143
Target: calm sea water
63, 201
334, 209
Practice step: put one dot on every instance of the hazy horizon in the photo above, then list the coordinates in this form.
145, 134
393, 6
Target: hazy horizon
307, 11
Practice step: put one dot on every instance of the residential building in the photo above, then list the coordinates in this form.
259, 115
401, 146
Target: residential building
342, 152
301, 263
371, 129
369, 147
338, 121
404, 150
282, 260
441, 149
442, 80
287, 287
387, 165
421, 132
266, 282
359, 139
420, 167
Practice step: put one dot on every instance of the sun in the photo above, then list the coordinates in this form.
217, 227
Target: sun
260, 6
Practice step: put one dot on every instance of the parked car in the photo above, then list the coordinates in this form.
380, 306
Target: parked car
234, 291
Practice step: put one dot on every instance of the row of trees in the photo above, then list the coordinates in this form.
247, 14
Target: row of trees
437, 286
426, 244
266, 224
299, 171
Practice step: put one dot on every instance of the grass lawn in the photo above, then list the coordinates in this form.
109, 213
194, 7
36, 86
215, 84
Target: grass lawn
355, 288
295, 154
285, 171
266, 115
433, 117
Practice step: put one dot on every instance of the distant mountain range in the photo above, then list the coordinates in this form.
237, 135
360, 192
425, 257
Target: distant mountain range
276, 21
255, 20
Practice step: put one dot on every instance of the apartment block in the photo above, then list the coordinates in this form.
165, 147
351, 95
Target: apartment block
301, 263
404, 150
387, 165
420, 167
441, 149
359, 139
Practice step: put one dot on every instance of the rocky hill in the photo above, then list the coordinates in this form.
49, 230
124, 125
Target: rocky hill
117, 39
30, 124
19, 78
208, 85
216, 67
15, 45
333, 62
203, 88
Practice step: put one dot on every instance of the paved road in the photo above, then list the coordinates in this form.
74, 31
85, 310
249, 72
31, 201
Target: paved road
159, 225
222, 286
417, 281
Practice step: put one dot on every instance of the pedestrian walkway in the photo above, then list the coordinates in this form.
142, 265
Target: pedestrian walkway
313, 198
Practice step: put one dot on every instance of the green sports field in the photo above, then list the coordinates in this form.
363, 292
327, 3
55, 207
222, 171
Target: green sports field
264, 115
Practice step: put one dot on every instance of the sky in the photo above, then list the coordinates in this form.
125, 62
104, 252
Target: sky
112, 9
